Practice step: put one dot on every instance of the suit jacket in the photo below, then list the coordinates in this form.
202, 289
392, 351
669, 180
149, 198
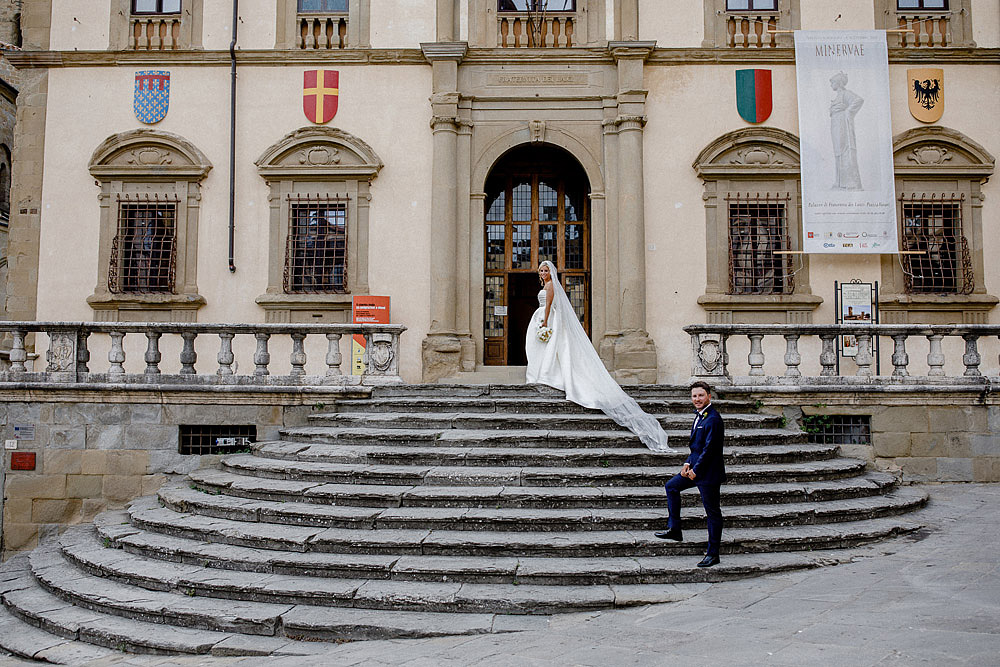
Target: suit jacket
707, 436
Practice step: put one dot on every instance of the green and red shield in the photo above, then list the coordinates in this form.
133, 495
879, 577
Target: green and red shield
753, 94
320, 95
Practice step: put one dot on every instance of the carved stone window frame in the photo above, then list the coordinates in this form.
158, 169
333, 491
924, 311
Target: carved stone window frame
589, 26
358, 24
940, 160
788, 17
191, 29
141, 162
327, 162
958, 15
751, 160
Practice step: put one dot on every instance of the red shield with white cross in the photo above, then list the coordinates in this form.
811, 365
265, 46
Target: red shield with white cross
320, 94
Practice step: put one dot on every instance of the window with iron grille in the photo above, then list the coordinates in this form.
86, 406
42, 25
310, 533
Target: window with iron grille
757, 229
316, 252
922, 4
156, 6
323, 6
751, 5
932, 228
839, 429
143, 252
215, 438
536, 5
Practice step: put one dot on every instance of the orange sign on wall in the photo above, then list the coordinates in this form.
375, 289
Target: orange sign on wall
366, 310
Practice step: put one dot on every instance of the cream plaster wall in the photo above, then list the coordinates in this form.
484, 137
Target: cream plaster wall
672, 23
402, 24
258, 21
986, 23
101, 102
80, 25
840, 15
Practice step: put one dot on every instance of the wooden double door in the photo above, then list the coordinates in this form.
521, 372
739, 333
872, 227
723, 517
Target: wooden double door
537, 209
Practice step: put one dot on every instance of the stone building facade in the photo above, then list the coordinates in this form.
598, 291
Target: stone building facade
472, 139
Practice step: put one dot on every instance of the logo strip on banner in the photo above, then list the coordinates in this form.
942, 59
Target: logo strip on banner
753, 94
848, 177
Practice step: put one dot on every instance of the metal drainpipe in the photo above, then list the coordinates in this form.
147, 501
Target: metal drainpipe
232, 139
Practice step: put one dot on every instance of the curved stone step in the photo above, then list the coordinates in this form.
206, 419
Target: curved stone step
523, 405
185, 500
378, 495
520, 456
523, 438
20, 638
495, 543
399, 475
519, 422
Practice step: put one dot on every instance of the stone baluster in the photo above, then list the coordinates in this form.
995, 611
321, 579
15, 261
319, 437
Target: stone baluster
82, 353
116, 355
864, 357
298, 356
900, 359
756, 356
261, 357
828, 357
792, 356
971, 358
226, 356
189, 357
18, 355
935, 355
153, 355
333, 356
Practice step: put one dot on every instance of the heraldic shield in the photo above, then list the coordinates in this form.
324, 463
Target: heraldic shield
320, 94
152, 96
753, 94
926, 93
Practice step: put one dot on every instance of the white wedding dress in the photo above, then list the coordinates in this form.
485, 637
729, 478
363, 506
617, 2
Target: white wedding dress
568, 361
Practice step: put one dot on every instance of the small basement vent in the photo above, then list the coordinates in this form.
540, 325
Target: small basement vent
839, 429
216, 439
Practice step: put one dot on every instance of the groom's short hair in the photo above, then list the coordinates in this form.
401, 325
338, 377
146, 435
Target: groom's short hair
701, 385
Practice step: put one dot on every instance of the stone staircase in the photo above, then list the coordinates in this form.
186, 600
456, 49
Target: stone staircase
434, 510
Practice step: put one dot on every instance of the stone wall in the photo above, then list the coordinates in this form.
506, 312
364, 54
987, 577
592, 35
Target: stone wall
924, 435
99, 452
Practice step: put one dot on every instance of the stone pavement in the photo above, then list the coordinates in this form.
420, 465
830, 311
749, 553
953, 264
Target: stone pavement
929, 598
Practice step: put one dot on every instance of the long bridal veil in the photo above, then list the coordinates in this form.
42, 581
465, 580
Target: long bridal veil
570, 362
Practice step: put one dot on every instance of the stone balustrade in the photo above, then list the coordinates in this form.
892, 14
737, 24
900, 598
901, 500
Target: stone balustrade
517, 31
927, 29
710, 355
155, 33
321, 31
67, 350
751, 31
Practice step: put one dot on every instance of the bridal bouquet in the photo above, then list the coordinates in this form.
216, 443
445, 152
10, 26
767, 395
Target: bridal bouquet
544, 334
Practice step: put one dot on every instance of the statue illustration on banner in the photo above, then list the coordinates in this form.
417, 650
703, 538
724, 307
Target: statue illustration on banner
848, 176
926, 93
320, 95
152, 96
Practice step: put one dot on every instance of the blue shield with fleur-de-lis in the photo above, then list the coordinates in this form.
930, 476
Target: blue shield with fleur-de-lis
152, 96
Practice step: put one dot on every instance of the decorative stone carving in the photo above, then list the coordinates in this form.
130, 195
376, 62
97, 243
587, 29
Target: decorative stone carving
149, 156
929, 154
61, 354
380, 354
756, 155
319, 155
537, 130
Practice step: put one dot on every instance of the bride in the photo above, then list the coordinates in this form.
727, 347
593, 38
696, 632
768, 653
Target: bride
564, 358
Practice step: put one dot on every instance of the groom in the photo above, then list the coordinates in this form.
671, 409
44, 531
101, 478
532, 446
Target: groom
705, 469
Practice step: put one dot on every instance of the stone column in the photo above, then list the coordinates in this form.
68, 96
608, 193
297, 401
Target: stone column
634, 350
441, 349
447, 20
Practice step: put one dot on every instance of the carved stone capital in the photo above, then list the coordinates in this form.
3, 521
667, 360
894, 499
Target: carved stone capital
626, 123
445, 123
631, 50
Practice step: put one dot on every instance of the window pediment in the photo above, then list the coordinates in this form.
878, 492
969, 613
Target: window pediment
942, 150
752, 151
320, 153
144, 154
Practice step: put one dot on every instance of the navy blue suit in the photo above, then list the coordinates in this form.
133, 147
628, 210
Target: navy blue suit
707, 435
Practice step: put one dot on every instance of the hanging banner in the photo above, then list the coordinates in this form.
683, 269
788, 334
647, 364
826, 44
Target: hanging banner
366, 310
848, 181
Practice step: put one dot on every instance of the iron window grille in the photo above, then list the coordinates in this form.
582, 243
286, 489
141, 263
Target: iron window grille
144, 251
215, 438
840, 430
751, 5
316, 250
757, 229
932, 226
155, 7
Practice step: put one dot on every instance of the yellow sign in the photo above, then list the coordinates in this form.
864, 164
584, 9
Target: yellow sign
926, 93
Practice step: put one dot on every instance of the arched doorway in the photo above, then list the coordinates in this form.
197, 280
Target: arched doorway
537, 209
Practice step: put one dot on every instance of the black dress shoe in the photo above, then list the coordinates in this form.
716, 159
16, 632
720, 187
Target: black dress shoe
709, 561
674, 535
